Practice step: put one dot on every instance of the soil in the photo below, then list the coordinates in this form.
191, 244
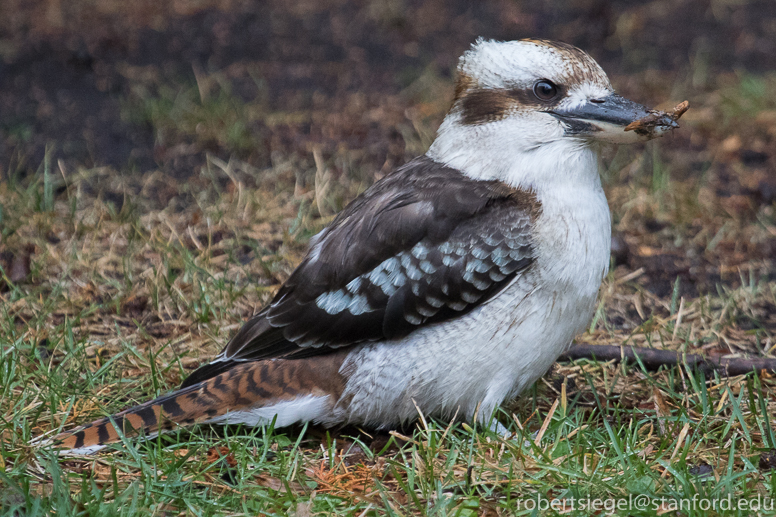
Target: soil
66, 69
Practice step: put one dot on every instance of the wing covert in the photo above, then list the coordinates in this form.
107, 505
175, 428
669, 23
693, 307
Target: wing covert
423, 245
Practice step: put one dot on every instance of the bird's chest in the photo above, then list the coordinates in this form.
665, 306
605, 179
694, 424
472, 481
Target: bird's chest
573, 241
502, 346
537, 316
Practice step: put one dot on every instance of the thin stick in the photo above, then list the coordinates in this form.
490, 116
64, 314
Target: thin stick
654, 359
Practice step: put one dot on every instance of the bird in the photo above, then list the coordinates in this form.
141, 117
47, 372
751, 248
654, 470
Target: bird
451, 284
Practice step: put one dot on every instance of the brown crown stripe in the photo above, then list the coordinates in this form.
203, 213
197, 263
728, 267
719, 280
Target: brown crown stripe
244, 385
583, 67
575, 52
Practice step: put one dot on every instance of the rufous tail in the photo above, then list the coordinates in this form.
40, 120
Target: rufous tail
243, 387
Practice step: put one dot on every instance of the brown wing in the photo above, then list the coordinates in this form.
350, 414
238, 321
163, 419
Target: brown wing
423, 245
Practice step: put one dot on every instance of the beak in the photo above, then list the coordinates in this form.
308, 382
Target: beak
614, 119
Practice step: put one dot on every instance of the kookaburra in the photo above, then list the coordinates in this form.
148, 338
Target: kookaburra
451, 284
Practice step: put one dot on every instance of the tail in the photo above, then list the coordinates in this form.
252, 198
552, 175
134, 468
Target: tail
254, 393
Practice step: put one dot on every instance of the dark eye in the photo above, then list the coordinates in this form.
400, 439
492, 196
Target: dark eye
545, 90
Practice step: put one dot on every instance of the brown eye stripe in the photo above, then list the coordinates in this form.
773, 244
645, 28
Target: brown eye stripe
487, 105
481, 106
463, 84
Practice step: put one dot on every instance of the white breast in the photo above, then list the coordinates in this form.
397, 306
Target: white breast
502, 347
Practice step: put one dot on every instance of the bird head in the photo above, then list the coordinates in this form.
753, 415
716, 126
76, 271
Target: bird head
514, 98
552, 89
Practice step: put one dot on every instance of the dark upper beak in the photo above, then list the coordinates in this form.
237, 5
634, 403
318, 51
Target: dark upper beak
607, 118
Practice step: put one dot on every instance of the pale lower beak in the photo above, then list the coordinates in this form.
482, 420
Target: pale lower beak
607, 118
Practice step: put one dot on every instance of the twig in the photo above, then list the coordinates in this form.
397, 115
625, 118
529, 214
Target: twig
653, 359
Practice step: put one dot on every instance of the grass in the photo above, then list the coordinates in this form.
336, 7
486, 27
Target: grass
114, 287
210, 112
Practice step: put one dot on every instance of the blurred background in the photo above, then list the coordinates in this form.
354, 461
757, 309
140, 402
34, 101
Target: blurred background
156, 85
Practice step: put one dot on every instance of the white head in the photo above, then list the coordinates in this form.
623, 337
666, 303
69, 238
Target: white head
530, 103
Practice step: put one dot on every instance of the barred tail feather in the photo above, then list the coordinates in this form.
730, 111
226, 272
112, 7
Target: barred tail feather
145, 419
252, 393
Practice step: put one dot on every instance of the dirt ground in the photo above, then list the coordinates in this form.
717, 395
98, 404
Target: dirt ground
71, 72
